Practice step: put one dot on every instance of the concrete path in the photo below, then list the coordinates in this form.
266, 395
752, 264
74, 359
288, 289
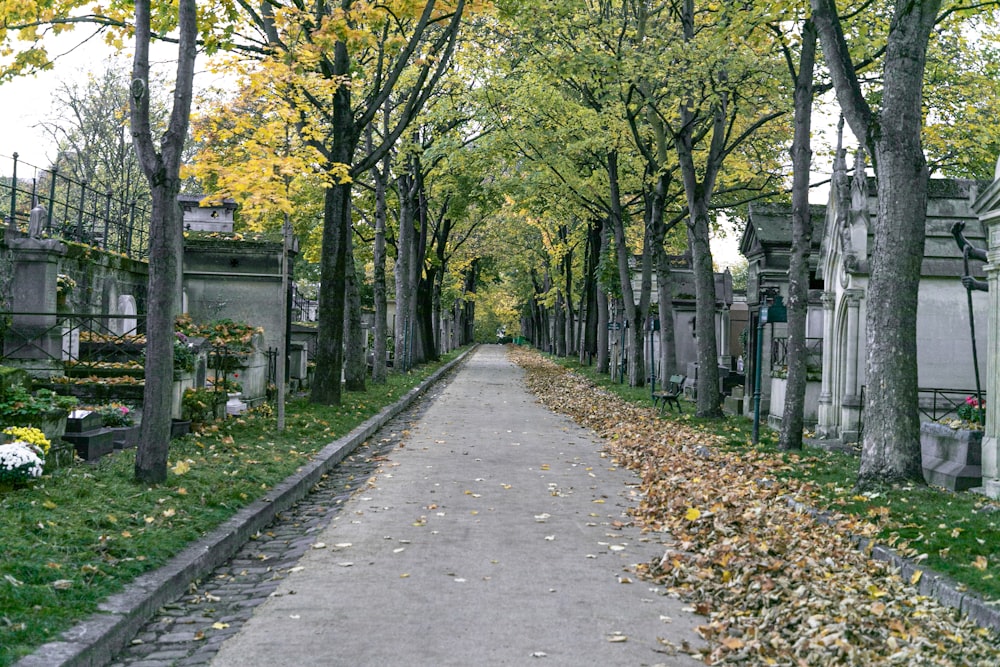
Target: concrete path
495, 534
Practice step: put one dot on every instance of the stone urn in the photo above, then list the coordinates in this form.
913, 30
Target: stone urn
235, 406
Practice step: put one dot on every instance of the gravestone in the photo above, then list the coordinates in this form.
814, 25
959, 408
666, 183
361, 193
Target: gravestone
127, 311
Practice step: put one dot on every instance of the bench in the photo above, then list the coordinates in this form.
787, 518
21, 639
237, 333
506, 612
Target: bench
670, 395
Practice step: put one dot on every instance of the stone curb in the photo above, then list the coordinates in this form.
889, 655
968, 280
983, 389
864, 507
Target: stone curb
932, 584
94, 641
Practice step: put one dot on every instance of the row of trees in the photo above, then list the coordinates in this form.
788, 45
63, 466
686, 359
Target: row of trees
508, 153
629, 118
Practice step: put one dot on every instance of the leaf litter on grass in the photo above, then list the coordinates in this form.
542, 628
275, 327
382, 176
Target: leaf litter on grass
775, 586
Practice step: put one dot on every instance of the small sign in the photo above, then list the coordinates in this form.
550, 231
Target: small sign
614, 326
763, 314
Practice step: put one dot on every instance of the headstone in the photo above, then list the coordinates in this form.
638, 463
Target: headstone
127, 312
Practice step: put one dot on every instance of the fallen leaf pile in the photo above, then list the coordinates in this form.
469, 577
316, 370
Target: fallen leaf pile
775, 586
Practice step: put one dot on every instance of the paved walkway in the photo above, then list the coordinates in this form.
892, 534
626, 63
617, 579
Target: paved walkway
493, 533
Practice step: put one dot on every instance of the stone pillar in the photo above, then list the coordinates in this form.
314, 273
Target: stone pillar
36, 271
987, 207
850, 409
725, 359
824, 416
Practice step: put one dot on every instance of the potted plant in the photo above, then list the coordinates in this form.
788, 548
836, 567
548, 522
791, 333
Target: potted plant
23, 458
120, 419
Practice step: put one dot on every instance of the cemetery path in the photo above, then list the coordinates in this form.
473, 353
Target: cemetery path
486, 530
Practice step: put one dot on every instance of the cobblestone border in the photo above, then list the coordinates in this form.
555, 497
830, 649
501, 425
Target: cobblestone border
95, 640
932, 584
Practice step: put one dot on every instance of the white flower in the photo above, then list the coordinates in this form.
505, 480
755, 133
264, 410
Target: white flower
19, 456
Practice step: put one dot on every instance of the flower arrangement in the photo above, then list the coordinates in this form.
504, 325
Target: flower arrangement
973, 410
115, 415
30, 436
19, 463
64, 284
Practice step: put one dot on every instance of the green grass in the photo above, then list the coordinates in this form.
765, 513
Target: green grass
955, 534
77, 535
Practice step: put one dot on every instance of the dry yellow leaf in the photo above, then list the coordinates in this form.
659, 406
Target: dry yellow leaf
980, 563
693, 514
181, 468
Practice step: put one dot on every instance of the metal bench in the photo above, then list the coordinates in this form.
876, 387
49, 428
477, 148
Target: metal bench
670, 395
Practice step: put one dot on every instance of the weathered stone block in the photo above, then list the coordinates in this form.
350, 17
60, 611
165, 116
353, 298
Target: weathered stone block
92, 445
952, 458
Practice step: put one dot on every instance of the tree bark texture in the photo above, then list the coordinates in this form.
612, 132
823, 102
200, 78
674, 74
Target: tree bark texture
891, 442
162, 169
355, 364
792, 420
326, 387
635, 313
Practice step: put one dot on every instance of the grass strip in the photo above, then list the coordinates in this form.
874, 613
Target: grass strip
80, 534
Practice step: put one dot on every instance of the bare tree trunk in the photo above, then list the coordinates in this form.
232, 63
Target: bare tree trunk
588, 300
355, 365
635, 313
166, 243
326, 388
380, 177
890, 450
792, 419
405, 289
603, 344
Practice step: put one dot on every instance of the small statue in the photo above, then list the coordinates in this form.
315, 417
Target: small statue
968, 250
36, 221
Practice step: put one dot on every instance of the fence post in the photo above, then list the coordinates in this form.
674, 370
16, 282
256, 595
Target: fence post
79, 213
131, 227
107, 216
52, 196
13, 191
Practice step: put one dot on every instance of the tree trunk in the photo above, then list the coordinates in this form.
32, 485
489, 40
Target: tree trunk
404, 257
380, 177
326, 387
588, 300
708, 404
665, 294
792, 419
355, 364
166, 242
890, 450
635, 313
603, 344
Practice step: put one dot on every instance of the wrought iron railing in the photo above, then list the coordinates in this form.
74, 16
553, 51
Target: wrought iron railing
779, 353
72, 210
83, 343
935, 403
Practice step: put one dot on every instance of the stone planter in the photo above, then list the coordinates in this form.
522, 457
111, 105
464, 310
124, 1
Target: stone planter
51, 423
951, 458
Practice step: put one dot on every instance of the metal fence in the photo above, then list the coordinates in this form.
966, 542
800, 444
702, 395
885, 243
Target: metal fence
72, 210
779, 353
